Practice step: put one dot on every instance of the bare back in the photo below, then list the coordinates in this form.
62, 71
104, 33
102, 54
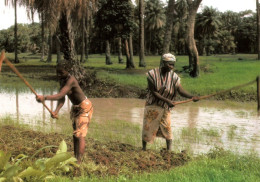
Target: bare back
71, 88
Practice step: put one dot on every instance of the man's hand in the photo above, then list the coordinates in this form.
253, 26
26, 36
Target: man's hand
54, 115
195, 98
170, 103
40, 98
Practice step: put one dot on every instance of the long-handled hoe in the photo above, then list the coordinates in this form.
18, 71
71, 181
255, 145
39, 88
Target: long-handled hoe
3, 58
228, 90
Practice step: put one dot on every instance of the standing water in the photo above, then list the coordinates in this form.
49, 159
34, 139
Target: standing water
196, 127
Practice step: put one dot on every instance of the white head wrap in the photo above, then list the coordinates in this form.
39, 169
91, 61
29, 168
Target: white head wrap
167, 57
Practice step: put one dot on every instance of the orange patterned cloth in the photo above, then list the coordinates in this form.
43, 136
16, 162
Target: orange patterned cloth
81, 115
156, 123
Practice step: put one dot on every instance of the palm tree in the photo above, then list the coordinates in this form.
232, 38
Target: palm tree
108, 56
49, 58
42, 36
141, 34
60, 13
208, 24
193, 6
169, 24
258, 29
83, 30
14, 3
120, 55
85, 13
154, 19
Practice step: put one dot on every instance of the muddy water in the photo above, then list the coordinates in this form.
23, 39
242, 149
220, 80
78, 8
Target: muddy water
197, 127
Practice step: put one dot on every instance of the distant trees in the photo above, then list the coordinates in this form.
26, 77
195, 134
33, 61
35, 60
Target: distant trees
154, 24
258, 28
147, 27
14, 4
28, 38
141, 33
115, 19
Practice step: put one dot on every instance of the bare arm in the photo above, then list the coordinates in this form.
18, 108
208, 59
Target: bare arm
63, 91
59, 106
184, 93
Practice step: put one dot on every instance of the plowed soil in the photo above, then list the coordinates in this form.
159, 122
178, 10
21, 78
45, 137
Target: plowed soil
111, 158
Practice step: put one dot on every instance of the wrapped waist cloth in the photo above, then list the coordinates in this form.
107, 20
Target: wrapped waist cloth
156, 123
81, 115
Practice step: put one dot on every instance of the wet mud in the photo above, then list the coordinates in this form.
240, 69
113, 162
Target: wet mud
111, 158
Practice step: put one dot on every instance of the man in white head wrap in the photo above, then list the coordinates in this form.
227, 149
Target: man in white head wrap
163, 84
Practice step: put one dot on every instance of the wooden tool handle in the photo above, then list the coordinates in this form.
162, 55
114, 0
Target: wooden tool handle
221, 92
26, 82
2, 59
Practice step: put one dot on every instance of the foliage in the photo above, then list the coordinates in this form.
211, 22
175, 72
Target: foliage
114, 18
216, 32
42, 169
28, 38
154, 22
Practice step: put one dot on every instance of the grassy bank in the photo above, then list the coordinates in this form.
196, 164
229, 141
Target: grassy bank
217, 73
108, 160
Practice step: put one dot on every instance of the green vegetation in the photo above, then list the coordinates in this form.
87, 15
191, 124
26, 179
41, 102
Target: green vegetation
41, 170
114, 161
218, 73
216, 166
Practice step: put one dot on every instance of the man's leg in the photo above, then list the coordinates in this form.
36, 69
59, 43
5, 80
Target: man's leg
81, 148
169, 144
144, 145
76, 146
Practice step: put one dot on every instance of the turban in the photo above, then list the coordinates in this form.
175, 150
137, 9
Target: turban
168, 57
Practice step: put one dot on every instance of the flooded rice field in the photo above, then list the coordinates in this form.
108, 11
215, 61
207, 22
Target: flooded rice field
197, 127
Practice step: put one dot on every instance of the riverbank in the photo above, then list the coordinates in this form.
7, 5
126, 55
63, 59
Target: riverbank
107, 158
44, 77
115, 161
217, 73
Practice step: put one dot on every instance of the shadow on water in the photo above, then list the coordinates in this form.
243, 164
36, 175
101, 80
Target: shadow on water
197, 127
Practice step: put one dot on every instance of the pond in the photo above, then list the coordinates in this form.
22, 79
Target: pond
197, 127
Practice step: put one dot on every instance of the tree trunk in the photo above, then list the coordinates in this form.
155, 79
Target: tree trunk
120, 56
49, 59
67, 39
42, 35
258, 29
141, 34
168, 27
150, 43
189, 37
16, 60
82, 56
87, 34
68, 49
129, 52
58, 43
108, 57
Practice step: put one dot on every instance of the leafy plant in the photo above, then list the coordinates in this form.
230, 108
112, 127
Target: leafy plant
41, 170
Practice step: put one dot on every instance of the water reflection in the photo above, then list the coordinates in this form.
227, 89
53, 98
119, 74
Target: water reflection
200, 125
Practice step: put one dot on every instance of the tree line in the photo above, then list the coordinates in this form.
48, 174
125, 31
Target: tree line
146, 27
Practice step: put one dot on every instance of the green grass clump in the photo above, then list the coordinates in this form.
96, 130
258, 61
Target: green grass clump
216, 166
